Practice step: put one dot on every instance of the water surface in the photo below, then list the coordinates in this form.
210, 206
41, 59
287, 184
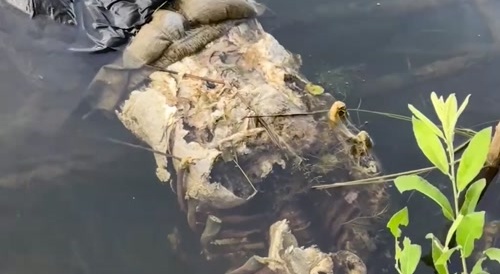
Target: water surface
114, 217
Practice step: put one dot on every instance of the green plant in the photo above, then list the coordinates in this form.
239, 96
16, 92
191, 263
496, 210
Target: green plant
467, 224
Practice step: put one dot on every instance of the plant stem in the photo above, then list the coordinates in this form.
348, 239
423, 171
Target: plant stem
396, 246
452, 176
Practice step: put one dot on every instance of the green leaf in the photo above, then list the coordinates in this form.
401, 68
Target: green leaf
493, 254
469, 230
473, 158
478, 267
451, 115
463, 105
445, 256
399, 218
419, 115
398, 251
415, 182
437, 251
472, 196
453, 228
440, 108
430, 145
314, 89
410, 256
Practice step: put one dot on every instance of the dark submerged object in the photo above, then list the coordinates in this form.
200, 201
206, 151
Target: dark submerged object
106, 23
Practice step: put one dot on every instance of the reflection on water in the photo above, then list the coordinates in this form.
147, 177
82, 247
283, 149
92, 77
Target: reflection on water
65, 206
114, 217
110, 221
376, 47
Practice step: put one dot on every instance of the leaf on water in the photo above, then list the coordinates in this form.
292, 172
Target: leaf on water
430, 145
469, 230
437, 251
473, 158
493, 254
399, 218
410, 256
419, 115
314, 89
472, 196
415, 182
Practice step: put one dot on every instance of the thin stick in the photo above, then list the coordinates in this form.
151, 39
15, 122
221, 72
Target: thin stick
248, 179
374, 180
112, 140
377, 180
462, 131
287, 114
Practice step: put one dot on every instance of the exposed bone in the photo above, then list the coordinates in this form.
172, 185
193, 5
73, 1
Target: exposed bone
230, 256
286, 257
238, 233
212, 229
230, 241
191, 214
238, 219
180, 190
300, 223
236, 246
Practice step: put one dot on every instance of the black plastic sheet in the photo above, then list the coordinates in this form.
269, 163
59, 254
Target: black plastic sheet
108, 24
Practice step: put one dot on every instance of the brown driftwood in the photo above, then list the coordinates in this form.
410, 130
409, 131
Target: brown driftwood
492, 166
491, 229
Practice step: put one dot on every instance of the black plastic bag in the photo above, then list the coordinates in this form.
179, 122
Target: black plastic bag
107, 23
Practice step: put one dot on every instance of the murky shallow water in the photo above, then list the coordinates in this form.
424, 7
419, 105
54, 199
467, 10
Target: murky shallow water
116, 220
396, 46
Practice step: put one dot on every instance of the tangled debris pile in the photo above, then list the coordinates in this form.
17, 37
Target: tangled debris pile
244, 151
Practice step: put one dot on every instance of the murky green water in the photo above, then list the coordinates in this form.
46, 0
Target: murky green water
116, 220
370, 46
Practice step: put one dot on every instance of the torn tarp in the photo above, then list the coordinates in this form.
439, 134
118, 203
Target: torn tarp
107, 23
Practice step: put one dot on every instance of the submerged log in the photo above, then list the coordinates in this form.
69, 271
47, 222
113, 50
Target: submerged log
239, 156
